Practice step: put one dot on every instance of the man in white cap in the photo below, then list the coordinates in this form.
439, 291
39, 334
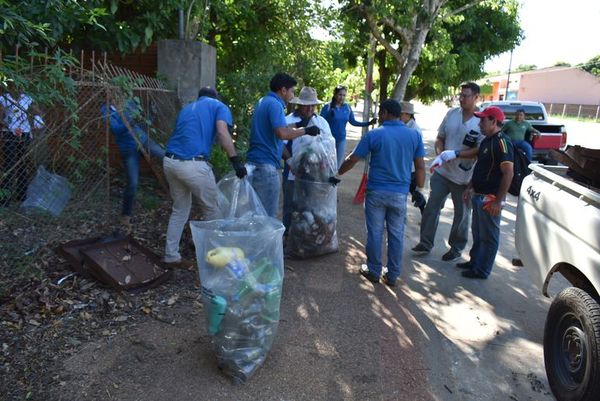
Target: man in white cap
304, 116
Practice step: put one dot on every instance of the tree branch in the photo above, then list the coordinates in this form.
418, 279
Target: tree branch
461, 9
379, 36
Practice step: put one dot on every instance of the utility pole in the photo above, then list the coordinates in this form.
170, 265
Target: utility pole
508, 77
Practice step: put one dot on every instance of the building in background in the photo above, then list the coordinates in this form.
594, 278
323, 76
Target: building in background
565, 85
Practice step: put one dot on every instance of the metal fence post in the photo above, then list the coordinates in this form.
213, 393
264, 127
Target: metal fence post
564, 109
579, 112
597, 111
551, 105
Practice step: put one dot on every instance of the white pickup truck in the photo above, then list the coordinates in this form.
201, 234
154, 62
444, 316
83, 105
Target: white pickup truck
552, 136
558, 231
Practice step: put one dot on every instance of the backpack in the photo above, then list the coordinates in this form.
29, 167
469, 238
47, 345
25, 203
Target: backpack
520, 169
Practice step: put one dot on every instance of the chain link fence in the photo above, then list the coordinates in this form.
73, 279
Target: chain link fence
580, 111
61, 166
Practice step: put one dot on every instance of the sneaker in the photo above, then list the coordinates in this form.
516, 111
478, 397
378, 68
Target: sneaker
464, 265
388, 282
420, 249
451, 255
180, 264
473, 274
366, 273
517, 262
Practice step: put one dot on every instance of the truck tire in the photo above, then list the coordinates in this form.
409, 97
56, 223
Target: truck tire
572, 346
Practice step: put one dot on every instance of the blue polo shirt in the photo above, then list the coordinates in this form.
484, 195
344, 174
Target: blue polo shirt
337, 120
393, 148
195, 129
265, 147
123, 138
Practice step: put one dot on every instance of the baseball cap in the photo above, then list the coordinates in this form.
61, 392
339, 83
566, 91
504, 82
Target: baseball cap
491, 111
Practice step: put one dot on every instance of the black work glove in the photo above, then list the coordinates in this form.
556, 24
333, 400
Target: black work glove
238, 166
334, 181
419, 200
373, 121
302, 123
312, 130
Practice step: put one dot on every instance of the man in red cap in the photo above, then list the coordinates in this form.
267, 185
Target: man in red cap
487, 190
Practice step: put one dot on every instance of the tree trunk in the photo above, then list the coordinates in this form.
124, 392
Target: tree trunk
405, 72
384, 75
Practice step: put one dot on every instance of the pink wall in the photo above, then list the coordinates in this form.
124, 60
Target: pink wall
565, 85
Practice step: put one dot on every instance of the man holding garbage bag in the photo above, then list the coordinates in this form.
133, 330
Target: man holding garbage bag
186, 165
309, 209
269, 129
393, 148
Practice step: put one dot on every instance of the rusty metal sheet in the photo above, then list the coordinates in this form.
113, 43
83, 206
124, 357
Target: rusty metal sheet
121, 262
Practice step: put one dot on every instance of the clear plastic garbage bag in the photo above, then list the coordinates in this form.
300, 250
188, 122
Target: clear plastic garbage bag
47, 192
240, 262
237, 198
314, 158
314, 219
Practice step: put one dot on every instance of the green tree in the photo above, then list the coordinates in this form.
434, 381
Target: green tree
592, 65
525, 67
562, 64
452, 38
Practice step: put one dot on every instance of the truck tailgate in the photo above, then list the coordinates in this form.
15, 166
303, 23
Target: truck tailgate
553, 136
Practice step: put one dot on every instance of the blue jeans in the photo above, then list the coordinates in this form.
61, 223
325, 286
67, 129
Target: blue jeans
340, 148
387, 209
525, 147
486, 236
288, 203
266, 181
131, 163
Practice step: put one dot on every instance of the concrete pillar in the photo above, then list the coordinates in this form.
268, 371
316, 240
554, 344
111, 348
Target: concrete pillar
187, 65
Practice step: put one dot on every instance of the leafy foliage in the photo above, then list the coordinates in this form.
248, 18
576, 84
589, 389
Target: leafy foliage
592, 65
525, 67
460, 36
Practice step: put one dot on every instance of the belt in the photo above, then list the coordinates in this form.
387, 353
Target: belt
195, 158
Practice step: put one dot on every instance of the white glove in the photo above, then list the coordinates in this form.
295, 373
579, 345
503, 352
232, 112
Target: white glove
448, 155
437, 162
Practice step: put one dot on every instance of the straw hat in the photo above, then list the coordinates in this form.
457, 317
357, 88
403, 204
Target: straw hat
307, 97
407, 107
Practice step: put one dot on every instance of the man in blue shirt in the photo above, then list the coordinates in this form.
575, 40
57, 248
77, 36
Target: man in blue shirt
394, 148
186, 165
268, 131
129, 142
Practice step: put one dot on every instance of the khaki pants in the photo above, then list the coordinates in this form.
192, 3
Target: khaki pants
187, 178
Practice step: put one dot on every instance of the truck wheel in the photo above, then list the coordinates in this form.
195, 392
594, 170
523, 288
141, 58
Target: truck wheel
572, 346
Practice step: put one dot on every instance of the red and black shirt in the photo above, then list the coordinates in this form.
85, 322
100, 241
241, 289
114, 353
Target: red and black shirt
493, 152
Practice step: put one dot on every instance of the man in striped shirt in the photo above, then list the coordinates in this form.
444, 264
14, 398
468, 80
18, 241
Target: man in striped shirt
487, 190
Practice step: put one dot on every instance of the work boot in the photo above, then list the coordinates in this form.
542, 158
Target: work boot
420, 249
451, 255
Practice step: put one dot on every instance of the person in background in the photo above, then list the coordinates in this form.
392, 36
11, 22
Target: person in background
517, 130
408, 118
129, 142
487, 190
393, 148
16, 108
186, 165
338, 114
269, 129
456, 145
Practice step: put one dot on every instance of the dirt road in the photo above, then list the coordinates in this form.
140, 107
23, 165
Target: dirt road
435, 337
